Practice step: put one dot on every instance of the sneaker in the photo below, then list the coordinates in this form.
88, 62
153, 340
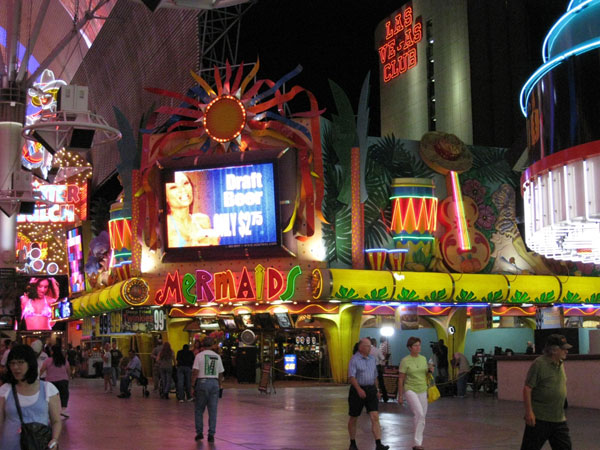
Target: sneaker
199, 436
382, 447
353, 447
180, 401
124, 395
191, 399
211, 438
65, 414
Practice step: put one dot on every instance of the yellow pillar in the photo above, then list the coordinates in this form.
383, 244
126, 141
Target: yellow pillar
458, 319
342, 331
175, 334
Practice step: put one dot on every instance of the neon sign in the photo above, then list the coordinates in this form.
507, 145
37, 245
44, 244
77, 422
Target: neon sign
68, 202
75, 256
269, 284
398, 53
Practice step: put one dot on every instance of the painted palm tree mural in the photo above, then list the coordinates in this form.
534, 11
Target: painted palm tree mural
490, 182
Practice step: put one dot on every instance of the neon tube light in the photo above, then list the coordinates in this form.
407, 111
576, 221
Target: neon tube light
562, 22
548, 66
461, 223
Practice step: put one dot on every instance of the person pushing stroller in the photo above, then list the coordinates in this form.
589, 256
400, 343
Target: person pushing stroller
132, 371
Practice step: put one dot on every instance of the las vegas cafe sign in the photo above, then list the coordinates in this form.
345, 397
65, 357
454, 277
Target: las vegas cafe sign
398, 51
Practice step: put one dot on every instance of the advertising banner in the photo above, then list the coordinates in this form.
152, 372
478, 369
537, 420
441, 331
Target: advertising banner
549, 317
481, 318
143, 320
408, 316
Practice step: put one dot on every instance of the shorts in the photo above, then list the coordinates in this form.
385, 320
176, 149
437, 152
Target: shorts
106, 370
356, 404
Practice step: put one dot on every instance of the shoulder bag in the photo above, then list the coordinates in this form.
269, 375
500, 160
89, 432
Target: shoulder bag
433, 393
34, 435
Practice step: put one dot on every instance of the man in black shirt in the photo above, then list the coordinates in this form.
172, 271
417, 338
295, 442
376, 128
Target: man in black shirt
116, 356
185, 361
442, 358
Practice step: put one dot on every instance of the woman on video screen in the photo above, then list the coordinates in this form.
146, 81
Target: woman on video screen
185, 229
36, 301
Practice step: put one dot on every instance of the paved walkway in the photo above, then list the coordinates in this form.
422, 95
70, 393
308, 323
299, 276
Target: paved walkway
295, 418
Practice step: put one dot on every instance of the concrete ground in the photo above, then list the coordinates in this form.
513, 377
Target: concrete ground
307, 417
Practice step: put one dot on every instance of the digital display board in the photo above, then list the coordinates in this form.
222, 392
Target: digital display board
75, 258
283, 320
39, 296
223, 206
228, 322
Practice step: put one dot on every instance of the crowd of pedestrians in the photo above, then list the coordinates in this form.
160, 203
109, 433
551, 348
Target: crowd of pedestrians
35, 379
544, 392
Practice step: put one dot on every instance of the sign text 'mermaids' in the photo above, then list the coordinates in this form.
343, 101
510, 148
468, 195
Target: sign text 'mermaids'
265, 284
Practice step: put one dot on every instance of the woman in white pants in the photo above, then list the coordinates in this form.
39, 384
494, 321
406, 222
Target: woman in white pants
412, 383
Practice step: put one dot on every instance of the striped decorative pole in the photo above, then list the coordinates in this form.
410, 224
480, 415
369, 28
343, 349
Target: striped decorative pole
358, 227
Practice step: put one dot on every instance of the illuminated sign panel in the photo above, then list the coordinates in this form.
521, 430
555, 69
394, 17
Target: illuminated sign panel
268, 284
75, 257
225, 206
290, 364
398, 52
67, 203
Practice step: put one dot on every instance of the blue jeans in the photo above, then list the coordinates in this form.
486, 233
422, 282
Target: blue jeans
166, 375
184, 381
207, 394
116, 374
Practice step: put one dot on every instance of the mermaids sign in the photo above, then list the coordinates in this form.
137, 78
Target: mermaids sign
203, 286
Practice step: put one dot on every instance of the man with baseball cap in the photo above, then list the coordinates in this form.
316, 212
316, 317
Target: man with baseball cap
544, 394
207, 380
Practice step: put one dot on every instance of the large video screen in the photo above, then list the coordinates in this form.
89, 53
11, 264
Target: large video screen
39, 294
75, 256
223, 206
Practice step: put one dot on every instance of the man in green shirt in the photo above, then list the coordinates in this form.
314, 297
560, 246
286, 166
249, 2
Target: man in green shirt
544, 394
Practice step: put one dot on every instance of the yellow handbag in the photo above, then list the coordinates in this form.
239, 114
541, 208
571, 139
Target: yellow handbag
433, 393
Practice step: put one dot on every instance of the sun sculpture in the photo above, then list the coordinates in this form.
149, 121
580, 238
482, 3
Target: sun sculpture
239, 114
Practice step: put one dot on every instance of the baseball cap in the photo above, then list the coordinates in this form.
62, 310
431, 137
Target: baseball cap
559, 340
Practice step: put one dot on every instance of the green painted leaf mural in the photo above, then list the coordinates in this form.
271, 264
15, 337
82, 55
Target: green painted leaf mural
493, 297
572, 297
545, 297
436, 296
594, 298
520, 297
378, 294
407, 296
346, 294
465, 296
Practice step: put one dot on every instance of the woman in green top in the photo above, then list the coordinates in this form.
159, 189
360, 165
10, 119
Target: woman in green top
413, 384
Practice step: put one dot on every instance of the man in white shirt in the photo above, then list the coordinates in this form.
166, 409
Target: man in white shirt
380, 360
207, 382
